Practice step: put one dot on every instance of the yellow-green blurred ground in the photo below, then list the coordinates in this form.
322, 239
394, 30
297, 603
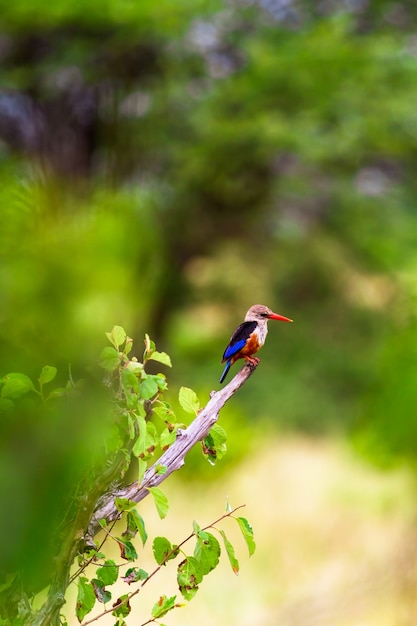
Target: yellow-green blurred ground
336, 542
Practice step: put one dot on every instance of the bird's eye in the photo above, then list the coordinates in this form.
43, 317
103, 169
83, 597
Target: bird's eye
264, 314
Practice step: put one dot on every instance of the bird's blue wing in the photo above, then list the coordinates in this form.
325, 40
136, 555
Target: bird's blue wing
233, 348
238, 339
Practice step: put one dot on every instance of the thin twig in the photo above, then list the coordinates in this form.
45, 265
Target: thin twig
156, 570
84, 566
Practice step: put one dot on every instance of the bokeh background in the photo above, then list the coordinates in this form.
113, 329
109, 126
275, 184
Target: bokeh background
164, 166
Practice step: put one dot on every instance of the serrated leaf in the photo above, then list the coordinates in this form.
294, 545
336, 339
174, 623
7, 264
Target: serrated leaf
188, 400
108, 573
214, 444
128, 345
161, 357
117, 336
109, 359
219, 437
16, 385
130, 381
163, 605
148, 387
135, 524
167, 438
134, 574
124, 504
247, 532
139, 447
147, 442
164, 411
161, 381
121, 608
135, 367
86, 598
207, 551
47, 374
161, 501
189, 575
142, 467
100, 592
59, 392
163, 550
127, 549
230, 553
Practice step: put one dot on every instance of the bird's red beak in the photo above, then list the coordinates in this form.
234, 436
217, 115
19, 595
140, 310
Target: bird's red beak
275, 316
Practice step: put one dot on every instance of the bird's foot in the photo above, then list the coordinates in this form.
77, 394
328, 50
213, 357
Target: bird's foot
253, 360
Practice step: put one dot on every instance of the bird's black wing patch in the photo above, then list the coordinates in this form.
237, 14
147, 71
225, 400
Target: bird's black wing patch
238, 339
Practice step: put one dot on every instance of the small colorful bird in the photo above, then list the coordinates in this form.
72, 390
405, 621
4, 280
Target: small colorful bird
249, 336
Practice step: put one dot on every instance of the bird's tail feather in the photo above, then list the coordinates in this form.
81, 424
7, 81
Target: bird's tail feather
226, 369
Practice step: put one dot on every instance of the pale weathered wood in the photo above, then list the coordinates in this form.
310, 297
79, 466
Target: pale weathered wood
105, 508
173, 458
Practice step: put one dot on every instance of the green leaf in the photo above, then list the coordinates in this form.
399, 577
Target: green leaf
164, 411
109, 359
247, 532
189, 575
128, 345
100, 592
161, 357
130, 382
59, 392
230, 553
163, 605
142, 467
161, 501
108, 573
214, 444
207, 551
121, 606
188, 400
135, 524
117, 336
135, 367
163, 550
167, 438
16, 385
124, 504
145, 445
85, 598
148, 387
127, 549
161, 381
134, 574
139, 447
47, 374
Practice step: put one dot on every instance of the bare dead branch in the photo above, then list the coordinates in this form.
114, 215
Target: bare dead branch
174, 458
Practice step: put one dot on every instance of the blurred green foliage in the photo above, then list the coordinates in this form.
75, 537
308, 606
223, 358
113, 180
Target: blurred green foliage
165, 166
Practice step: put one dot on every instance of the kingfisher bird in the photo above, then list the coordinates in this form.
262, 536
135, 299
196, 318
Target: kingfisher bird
249, 336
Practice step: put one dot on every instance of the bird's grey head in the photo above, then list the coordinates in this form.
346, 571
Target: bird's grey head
262, 313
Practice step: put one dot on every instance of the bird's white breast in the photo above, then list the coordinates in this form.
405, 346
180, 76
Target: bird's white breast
261, 332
